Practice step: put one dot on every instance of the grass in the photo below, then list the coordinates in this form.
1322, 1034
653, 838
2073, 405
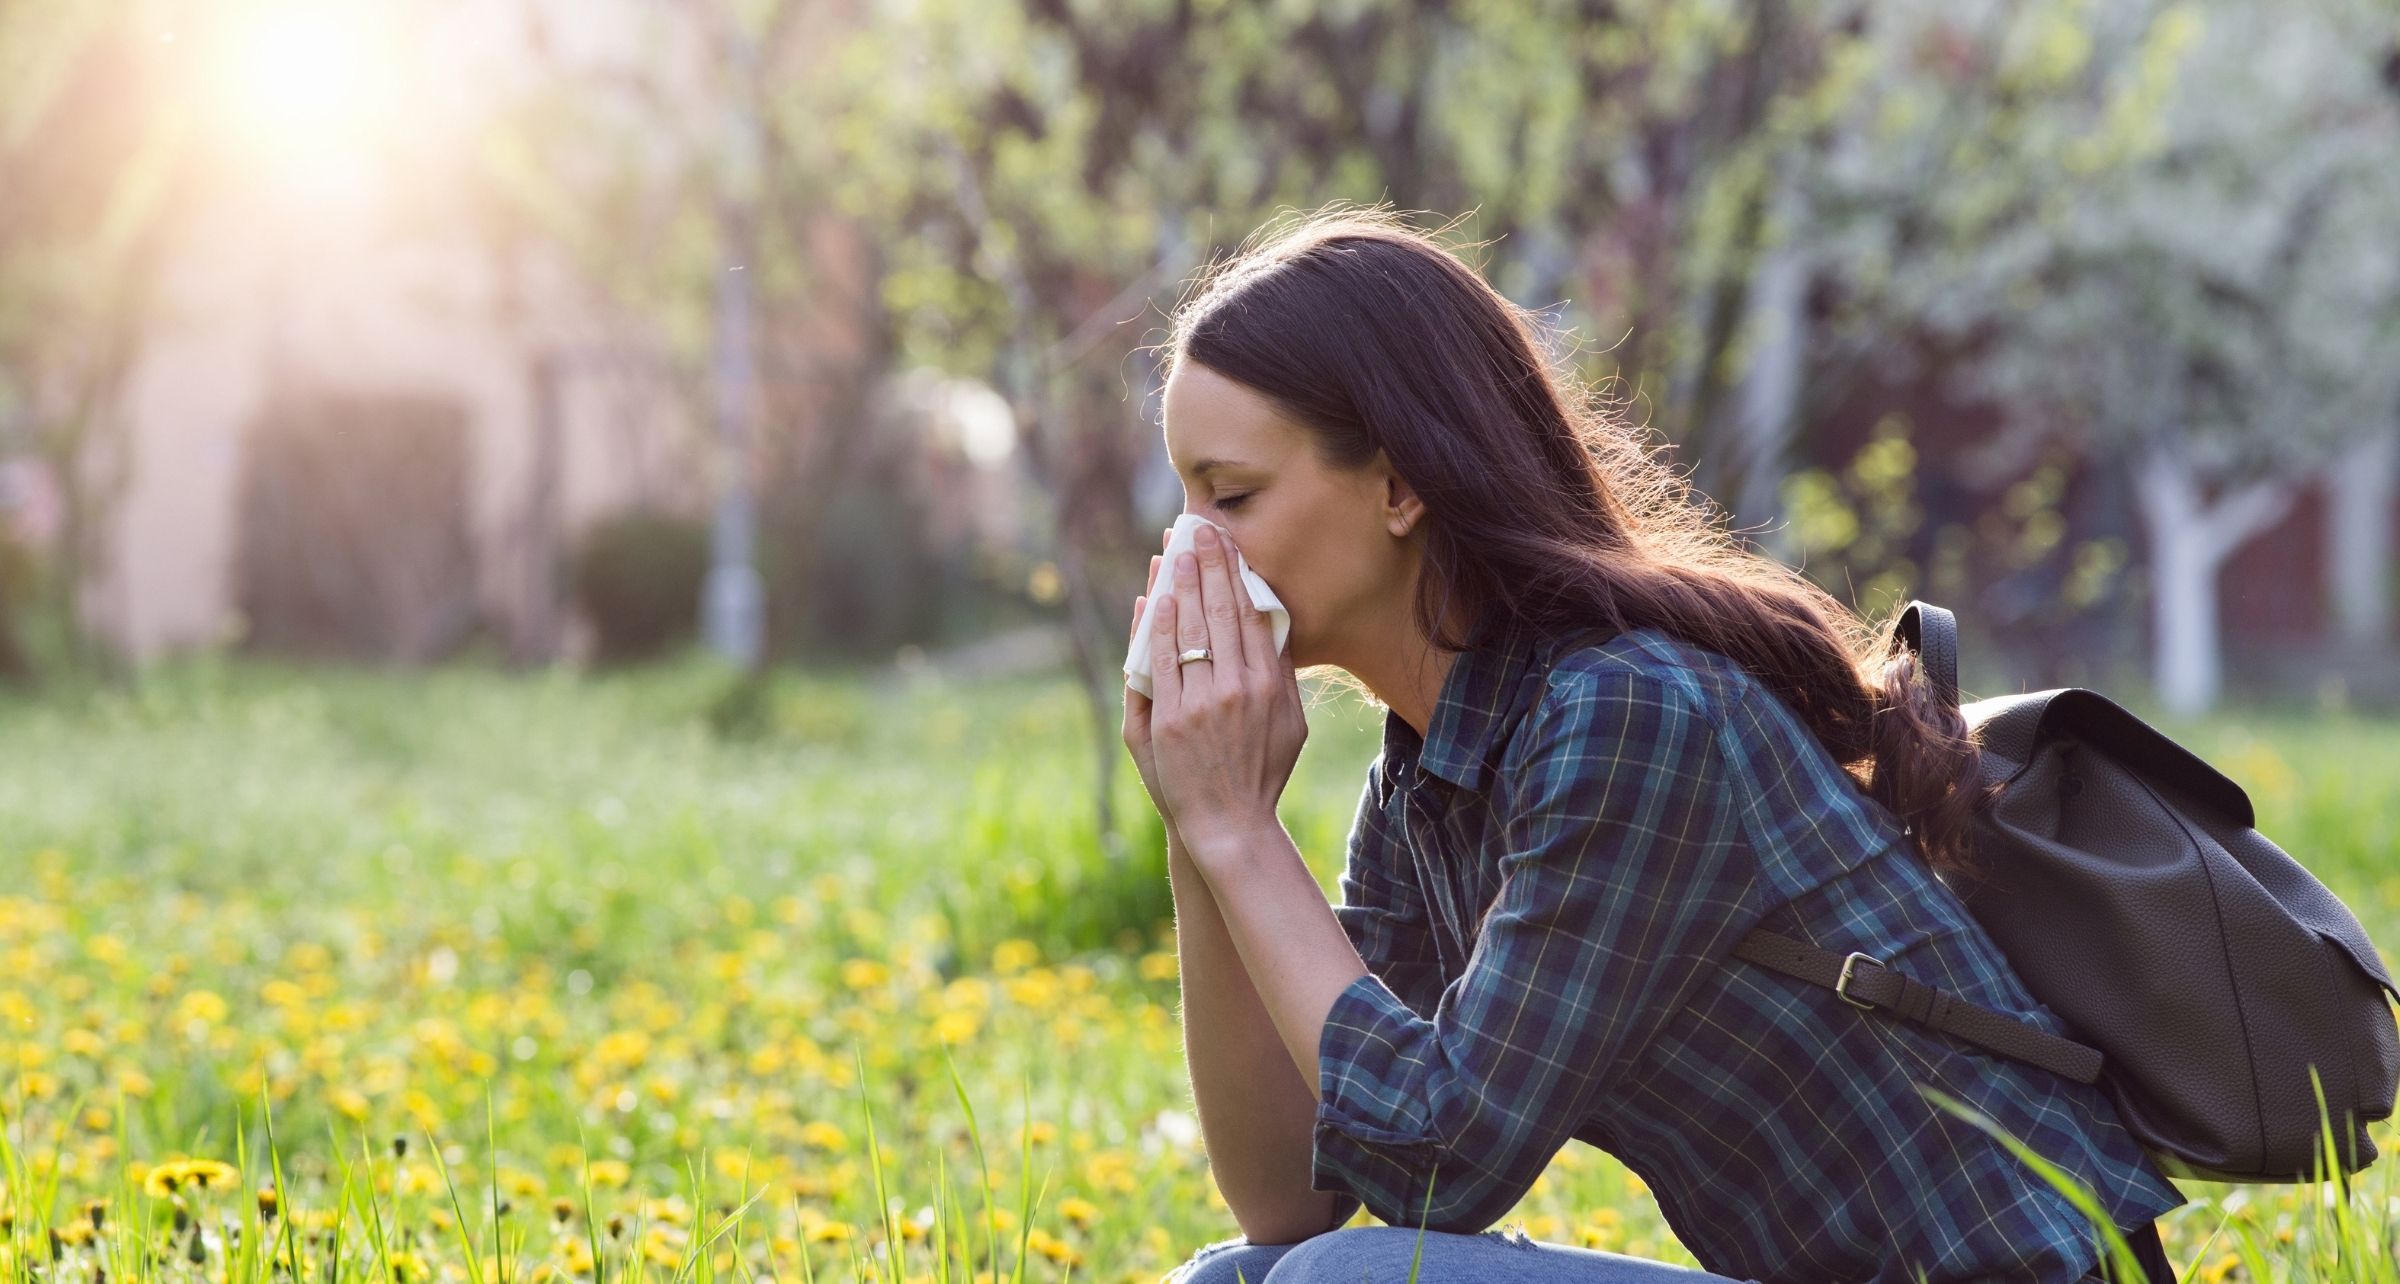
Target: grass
503, 980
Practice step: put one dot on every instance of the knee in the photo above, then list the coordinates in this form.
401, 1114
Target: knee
1340, 1257
1229, 1261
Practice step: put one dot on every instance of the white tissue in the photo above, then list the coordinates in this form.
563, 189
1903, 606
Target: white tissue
1137, 656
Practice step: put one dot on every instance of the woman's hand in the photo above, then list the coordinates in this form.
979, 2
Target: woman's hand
1224, 733
1137, 706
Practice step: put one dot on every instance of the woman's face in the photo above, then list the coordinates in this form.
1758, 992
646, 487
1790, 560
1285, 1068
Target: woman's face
1329, 542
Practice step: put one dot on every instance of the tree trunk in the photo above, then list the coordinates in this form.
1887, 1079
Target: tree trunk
2362, 484
2190, 538
537, 639
1769, 398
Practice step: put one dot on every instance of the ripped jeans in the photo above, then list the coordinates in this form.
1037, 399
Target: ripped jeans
1383, 1255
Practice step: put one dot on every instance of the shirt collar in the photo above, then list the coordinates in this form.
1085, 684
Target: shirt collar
1480, 700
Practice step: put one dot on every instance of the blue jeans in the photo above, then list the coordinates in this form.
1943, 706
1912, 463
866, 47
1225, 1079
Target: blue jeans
1382, 1255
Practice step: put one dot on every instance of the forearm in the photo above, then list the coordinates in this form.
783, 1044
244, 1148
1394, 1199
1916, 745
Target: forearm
1256, 1113
1290, 942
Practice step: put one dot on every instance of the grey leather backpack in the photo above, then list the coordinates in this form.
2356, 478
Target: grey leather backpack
2202, 970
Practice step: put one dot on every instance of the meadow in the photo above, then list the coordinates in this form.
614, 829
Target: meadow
483, 978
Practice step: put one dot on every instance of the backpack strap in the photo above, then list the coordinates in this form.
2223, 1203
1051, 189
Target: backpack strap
1864, 982
1932, 633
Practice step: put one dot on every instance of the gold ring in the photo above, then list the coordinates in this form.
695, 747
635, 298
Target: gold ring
1196, 653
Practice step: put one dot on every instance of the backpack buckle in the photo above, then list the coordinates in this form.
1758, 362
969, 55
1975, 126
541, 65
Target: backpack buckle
1848, 962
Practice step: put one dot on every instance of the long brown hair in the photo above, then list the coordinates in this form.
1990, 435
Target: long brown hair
1542, 502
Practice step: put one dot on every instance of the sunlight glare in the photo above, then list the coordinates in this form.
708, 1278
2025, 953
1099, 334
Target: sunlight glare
298, 79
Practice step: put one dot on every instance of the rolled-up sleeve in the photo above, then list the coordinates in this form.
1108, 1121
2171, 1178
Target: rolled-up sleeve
1384, 917
1381, 910
1625, 878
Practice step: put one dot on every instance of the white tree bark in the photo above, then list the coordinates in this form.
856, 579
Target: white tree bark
1770, 392
2190, 538
2362, 484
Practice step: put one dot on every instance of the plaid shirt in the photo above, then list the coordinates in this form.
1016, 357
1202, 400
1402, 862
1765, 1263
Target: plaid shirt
1546, 889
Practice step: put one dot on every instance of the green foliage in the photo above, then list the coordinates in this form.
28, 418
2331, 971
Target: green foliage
1860, 520
637, 576
2146, 225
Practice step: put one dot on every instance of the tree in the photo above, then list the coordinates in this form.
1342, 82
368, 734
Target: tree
91, 164
593, 166
1046, 167
2168, 228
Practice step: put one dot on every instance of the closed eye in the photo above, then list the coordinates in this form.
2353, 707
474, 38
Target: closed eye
1231, 501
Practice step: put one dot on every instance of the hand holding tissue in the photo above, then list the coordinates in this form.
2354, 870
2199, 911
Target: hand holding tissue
1137, 656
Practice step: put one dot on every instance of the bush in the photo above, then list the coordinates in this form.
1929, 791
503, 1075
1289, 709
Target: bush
637, 578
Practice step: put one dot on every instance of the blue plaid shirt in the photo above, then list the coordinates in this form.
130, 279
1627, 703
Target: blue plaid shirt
1547, 888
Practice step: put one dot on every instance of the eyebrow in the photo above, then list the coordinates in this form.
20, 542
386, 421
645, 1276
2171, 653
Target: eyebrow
1201, 469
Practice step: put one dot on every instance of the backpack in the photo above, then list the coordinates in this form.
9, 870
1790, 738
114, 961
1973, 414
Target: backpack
2203, 972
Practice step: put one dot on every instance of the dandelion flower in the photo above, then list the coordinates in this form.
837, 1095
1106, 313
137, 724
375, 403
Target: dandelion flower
823, 1136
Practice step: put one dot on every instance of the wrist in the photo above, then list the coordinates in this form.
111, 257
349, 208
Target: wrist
1234, 841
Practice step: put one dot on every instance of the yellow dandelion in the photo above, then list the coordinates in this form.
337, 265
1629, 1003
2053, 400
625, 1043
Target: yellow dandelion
955, 1027
625, 1048
1052, 1247
828, 1232
821, 1135
1014, 954
670, 1210
1079, 1211
1036, 989
864, 974
663, 1245
1110, 1170
204, 1006
176, 1175
609, 1172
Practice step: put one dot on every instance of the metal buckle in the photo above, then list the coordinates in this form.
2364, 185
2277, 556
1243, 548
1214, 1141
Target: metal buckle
1847, 963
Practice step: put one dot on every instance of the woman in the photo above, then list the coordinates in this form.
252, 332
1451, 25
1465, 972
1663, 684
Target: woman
1562, 838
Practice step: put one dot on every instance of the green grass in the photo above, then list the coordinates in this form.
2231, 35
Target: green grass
626, 976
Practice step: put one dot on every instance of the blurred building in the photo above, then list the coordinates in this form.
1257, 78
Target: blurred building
448, 396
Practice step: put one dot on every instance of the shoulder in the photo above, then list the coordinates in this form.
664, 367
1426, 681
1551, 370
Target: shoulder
1640, 695
1646, 666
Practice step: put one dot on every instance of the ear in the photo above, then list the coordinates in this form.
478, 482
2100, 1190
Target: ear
1402, 509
